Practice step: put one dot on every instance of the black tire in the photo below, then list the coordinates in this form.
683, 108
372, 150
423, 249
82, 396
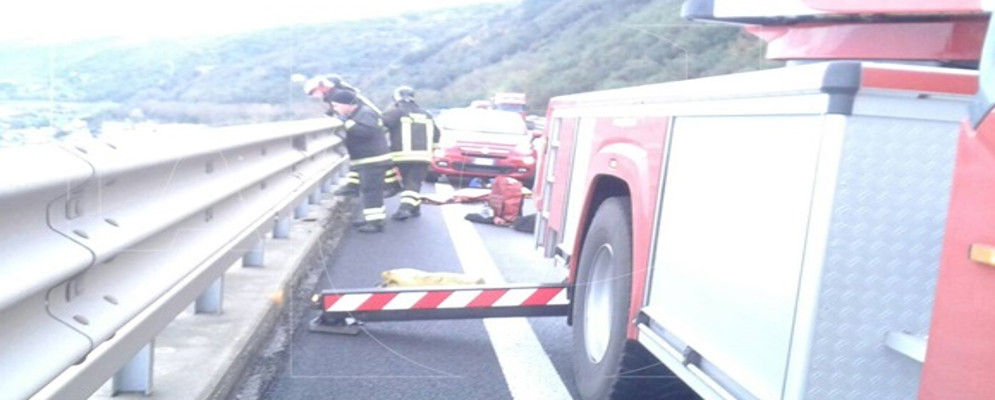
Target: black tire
606, 364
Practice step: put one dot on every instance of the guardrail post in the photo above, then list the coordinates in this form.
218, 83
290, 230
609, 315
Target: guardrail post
314, 197
301, 210
254, 257
209, 302
281, 230
136, 375
327, 184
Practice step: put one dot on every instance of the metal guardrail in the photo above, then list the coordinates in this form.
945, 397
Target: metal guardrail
103, 244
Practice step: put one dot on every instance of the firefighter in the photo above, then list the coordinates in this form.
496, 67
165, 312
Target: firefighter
413, 134
322, 88
367, 146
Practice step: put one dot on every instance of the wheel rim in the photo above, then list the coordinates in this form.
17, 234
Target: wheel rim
598, 310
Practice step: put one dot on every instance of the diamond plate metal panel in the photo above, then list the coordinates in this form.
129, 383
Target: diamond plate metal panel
882, 257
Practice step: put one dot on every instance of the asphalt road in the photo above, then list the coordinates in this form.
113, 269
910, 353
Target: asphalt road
451, 359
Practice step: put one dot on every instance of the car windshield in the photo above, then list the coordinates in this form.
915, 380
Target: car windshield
486, 121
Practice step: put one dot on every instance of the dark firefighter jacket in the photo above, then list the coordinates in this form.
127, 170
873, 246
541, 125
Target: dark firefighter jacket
365, 139
412, 132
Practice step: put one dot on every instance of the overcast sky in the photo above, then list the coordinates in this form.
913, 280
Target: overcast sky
61, 20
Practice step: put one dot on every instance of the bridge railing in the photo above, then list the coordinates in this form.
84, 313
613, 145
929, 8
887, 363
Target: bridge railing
103, 243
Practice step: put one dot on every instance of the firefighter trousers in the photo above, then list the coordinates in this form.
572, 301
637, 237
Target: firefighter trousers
391, 182
371, 186
413, 173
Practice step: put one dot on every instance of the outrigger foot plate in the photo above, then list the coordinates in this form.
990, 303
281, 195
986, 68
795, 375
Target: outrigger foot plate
346, 326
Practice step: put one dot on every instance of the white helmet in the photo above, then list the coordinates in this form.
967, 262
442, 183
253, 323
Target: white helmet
404, 93
314, 83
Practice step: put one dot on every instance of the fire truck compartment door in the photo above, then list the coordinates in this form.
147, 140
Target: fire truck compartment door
730, 240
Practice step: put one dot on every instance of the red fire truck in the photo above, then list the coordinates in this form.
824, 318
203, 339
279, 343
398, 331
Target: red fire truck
819, 231
824, 230
508, 101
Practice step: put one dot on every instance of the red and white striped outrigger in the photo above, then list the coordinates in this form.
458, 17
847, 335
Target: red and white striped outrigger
344, 310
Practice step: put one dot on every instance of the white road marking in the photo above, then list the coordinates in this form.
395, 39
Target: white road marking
526, 367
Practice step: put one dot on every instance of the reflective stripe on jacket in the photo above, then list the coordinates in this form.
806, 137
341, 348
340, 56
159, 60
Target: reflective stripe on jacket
412, 133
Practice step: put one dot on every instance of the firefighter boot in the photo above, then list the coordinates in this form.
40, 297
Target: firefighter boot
403, 213
416, 211
372, 227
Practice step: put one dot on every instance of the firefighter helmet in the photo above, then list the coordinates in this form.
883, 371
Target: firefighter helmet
315, 83
404, 93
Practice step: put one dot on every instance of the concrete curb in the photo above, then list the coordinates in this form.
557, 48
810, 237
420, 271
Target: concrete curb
204, 356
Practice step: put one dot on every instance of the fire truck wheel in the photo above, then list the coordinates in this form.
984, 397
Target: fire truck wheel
601, 300
606, 364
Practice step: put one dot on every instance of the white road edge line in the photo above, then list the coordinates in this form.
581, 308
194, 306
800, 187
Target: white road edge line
526, 367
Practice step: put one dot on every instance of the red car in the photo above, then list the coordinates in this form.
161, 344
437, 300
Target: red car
477, 143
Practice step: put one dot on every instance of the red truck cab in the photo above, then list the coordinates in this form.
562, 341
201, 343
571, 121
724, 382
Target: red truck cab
508, 101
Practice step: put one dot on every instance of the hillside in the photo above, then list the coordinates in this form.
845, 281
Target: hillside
548, 48
542, 47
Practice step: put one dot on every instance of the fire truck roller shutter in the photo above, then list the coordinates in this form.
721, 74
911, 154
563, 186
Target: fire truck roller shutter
603, 357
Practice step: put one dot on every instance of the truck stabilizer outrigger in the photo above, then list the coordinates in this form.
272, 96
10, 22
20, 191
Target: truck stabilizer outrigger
344, 311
